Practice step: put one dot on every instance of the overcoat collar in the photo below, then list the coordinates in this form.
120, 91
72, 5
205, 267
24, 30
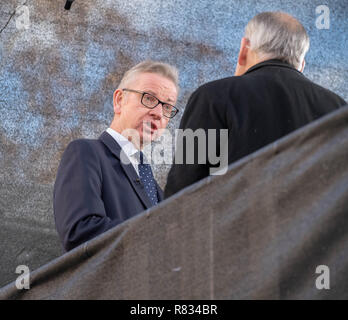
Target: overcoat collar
272, 62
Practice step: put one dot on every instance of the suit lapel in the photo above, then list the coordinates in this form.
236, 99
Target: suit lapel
129, 170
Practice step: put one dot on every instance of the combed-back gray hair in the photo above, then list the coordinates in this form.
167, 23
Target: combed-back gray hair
277, 35
163, 69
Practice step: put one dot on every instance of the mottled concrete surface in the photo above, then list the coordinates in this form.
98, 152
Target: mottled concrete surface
58, 75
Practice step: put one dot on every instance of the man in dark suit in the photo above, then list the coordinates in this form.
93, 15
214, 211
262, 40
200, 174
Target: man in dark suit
267, 98
101, 183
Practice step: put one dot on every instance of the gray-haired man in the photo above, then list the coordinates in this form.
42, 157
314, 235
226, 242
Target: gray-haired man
268, 98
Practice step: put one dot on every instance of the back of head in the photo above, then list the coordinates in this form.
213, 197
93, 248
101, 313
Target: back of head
277, 35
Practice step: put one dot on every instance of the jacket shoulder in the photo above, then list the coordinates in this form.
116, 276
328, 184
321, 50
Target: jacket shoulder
83, 145
83, 142
327, 93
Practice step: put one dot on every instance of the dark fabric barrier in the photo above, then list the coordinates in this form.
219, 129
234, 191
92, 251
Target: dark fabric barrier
257, 232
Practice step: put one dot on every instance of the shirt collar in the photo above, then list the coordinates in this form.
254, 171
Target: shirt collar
126, 145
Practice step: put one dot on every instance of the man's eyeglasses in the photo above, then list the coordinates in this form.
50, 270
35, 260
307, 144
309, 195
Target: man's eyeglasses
150, 101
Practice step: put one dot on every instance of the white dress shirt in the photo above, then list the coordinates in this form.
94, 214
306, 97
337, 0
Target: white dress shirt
127, 147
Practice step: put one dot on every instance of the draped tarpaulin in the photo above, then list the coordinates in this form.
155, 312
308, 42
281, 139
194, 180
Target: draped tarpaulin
257, 232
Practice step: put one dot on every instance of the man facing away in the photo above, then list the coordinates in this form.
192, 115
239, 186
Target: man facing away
101, 183
268, 98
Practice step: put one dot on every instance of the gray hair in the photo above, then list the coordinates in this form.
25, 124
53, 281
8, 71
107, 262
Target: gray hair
277, 35
148, 66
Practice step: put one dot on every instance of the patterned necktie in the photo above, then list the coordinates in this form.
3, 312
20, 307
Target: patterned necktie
146, 177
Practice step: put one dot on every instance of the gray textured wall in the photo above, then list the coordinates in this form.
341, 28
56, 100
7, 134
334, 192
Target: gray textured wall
57, 77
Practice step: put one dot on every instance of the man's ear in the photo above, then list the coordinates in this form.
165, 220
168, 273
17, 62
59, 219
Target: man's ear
241, 67
117, 99
243, 51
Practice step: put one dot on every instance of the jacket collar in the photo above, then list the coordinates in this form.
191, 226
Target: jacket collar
272, 63
129, 170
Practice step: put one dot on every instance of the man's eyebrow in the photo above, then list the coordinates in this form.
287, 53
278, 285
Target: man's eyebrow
151, 92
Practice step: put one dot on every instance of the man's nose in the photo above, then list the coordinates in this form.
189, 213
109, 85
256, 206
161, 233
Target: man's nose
157, 111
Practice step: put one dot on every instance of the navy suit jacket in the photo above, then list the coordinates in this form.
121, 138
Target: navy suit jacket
94, 191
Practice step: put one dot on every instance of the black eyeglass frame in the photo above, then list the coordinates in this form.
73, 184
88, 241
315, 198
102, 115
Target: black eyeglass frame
173, 112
